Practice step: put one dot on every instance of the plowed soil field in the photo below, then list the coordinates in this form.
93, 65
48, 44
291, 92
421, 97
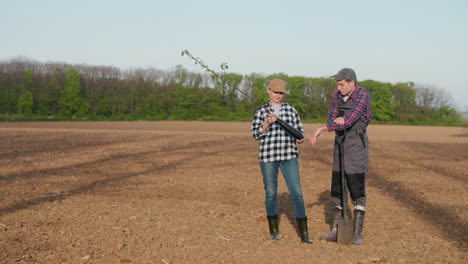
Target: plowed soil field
192, 192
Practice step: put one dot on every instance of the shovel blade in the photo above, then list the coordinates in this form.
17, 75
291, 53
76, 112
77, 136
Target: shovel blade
345, 231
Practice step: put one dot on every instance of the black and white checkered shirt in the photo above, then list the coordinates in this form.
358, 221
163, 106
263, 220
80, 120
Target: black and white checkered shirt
275, 143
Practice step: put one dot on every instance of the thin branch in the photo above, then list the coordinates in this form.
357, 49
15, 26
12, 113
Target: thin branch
224, 66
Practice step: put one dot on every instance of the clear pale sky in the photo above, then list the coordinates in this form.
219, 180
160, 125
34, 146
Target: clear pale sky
425, 42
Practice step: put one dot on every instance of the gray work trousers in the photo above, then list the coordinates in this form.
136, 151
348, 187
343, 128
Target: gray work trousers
356, 163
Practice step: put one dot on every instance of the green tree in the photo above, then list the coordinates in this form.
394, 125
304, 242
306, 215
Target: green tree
25, 101
185, 100
25, 104
70, 99
381, 99
319, 94
228, 90
295, 96
27, 81
31, 88
255, 87
447, 115
404, 101
180, 75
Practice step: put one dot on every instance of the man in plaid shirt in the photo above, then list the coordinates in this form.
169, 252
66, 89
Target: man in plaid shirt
278, 150
350, 110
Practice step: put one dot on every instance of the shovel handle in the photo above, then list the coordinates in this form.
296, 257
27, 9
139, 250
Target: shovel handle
344, 185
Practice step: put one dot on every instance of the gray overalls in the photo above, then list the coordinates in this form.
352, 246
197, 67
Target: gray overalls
356, 152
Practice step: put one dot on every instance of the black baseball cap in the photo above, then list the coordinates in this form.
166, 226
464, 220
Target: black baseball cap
345, 74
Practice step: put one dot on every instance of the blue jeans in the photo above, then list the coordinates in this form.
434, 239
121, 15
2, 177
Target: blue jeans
290, 170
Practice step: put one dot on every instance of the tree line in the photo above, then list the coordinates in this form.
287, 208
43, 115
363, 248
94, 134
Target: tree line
31, 90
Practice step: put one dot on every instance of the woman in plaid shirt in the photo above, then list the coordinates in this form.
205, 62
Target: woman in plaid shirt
278, 150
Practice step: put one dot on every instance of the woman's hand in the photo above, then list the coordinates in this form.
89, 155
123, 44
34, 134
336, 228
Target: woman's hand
271, 118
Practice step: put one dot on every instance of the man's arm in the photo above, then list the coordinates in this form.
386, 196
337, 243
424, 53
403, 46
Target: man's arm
353, 115
332, 112
316, 134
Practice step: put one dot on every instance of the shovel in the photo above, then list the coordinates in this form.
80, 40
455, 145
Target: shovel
345, 224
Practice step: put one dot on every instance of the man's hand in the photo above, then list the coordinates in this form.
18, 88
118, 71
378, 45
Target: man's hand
339, 120
316, 134
299, 141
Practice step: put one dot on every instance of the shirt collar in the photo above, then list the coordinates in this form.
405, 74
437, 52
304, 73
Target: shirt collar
270, 105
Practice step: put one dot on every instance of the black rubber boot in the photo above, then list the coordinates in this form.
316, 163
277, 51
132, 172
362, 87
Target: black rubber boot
302, 225
358, 225
273, 225
332, 236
